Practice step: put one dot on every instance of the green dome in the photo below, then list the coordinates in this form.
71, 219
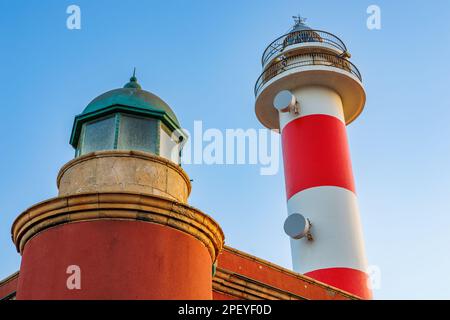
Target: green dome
130, 97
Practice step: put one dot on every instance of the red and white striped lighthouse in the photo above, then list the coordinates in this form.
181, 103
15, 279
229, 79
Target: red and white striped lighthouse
310, 91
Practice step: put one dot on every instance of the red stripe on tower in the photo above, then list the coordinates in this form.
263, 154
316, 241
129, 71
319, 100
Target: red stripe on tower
350, 280
315, 152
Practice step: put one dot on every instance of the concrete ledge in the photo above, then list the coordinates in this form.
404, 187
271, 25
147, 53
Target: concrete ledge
118, 206
124, 171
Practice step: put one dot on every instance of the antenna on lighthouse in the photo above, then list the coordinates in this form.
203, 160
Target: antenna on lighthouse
285, 101
297, 226
299, 19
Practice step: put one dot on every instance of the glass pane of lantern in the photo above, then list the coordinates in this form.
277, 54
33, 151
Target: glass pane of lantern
80, 142
168, 148
99, 135
138, 134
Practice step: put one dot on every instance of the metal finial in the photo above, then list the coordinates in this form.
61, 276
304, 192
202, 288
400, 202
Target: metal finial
133, 78
133, 81
298, 19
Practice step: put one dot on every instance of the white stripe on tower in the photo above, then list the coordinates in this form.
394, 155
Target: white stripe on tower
319, 185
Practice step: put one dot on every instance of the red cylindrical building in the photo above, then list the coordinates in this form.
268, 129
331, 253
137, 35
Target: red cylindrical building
126, 246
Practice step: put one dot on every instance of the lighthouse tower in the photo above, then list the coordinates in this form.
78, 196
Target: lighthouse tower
310, 91
120, 227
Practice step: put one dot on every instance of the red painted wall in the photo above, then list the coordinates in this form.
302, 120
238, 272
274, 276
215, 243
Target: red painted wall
118, 260
223, 296
8, 287
276, 278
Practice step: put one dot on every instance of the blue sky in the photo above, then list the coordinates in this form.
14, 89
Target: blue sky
199, 54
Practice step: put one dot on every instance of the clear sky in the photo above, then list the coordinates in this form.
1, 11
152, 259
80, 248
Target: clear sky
203, 58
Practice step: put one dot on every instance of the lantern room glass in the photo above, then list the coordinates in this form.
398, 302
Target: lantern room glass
98, 135
120, 131
138, 134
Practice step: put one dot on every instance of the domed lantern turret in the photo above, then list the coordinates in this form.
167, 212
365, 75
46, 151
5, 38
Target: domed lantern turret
122, 206
128, 118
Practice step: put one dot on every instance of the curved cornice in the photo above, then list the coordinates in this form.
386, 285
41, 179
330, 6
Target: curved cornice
117, 206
